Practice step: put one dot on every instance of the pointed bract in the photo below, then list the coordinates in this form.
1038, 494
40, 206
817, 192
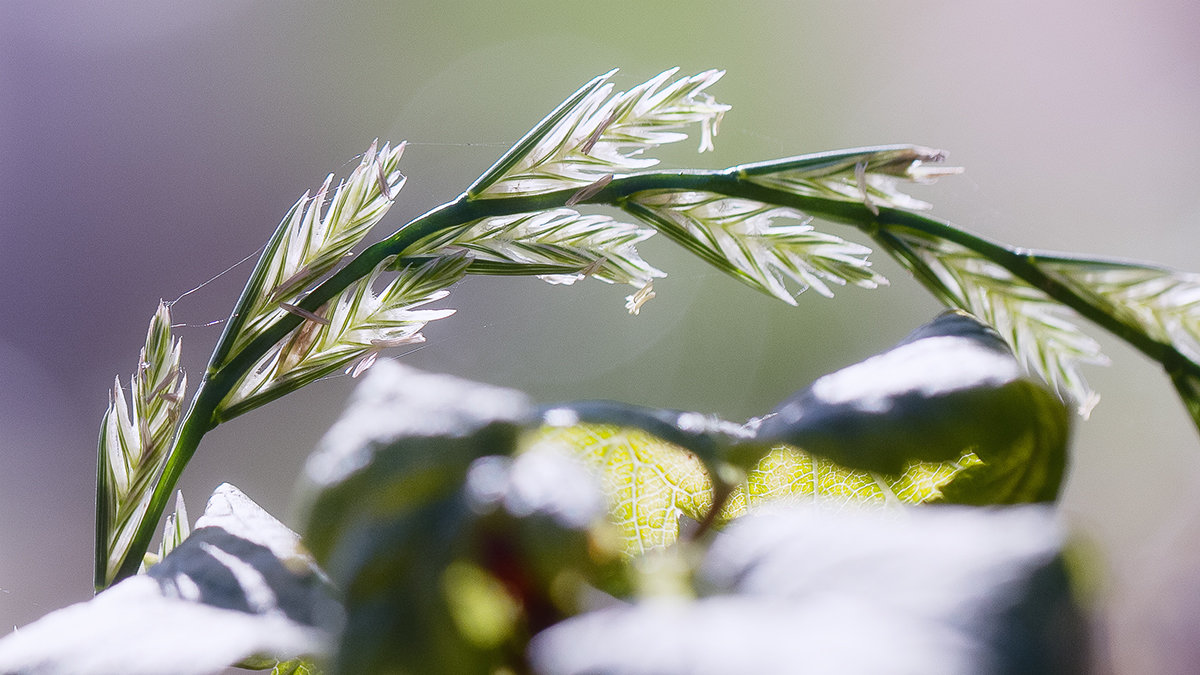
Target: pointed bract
310, 243
871, 175
1043, 333
1164, 303
359, 322
135, 439
601, 135
741, 237
597, 246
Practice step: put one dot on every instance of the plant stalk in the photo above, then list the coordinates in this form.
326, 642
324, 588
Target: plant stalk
226, 370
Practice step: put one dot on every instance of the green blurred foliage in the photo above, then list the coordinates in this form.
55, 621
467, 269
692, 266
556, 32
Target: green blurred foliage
138, 131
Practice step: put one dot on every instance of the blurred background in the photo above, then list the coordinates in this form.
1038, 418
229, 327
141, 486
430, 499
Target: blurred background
146, 147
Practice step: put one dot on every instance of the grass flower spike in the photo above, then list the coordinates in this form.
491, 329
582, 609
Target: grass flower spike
871, 175
176, 529
741, 237
581, 245
1043, 333
304, 314
135, 437
594, 134
359, 324
1163, 302
313, 238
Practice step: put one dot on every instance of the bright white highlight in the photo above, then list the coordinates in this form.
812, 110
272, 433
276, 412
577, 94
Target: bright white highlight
932, 366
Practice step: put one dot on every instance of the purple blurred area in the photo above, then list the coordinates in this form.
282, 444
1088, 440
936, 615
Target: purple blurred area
145, 147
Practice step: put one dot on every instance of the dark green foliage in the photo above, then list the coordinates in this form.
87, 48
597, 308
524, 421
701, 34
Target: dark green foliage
950, 386
451, 553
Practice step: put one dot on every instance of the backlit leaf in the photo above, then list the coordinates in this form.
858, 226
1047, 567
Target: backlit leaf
449, 552
855, 592
240, 585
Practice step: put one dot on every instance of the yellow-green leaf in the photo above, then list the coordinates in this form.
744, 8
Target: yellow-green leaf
650, 483
788, 473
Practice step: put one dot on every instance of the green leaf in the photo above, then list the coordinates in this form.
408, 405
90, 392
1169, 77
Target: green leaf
449, 556
789, 474
952, 386
295, 667
848, 591
944, 416
240, 585
648, 482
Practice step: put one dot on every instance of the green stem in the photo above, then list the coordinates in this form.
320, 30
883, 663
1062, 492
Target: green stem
1025, 264
226, 371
